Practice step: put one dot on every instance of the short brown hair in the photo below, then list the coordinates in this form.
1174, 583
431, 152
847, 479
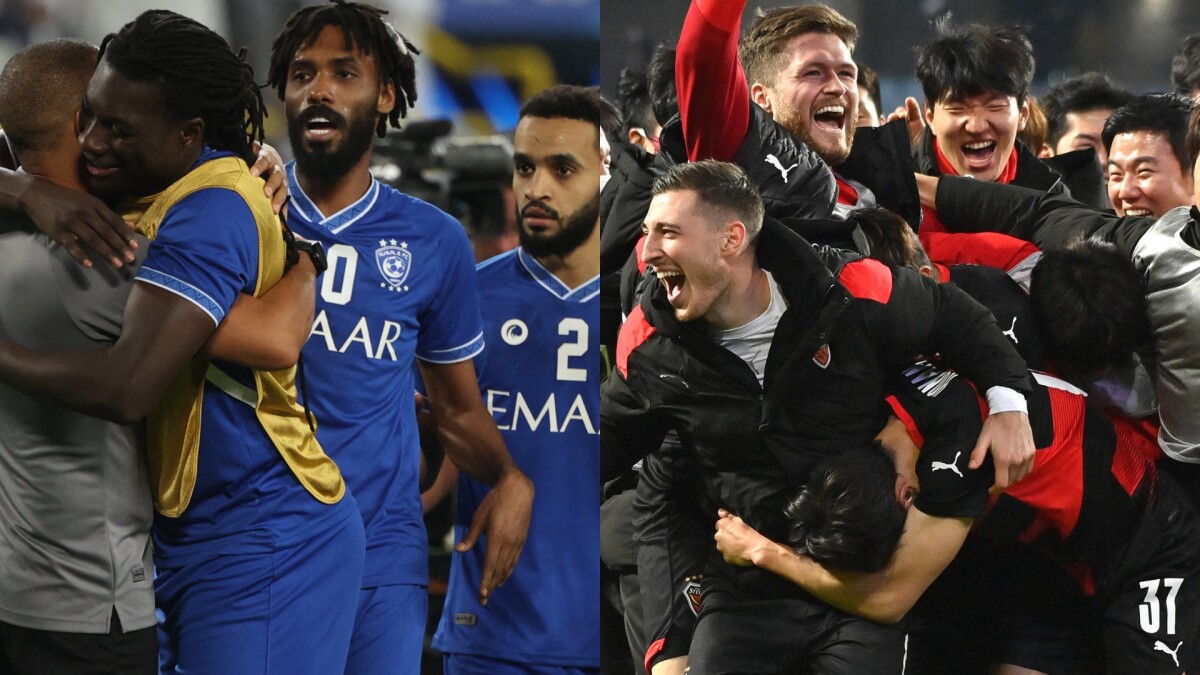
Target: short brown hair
1037, 128
762, 45
720, 185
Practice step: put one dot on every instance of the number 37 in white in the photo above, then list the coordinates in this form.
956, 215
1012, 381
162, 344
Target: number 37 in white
1148, 611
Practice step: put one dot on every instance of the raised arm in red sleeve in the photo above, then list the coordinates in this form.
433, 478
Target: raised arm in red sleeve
714, 97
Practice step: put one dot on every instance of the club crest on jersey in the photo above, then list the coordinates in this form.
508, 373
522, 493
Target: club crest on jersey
822, 357
394, 263
691, 592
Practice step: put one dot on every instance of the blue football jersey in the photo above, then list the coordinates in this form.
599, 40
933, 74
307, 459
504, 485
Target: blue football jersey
245, 498
400, 285
540, 380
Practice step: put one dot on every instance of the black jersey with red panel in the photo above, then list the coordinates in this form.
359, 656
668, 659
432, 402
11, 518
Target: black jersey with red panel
1090, 492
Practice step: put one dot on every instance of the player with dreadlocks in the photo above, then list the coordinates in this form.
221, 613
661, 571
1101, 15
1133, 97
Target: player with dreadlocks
258, 548
401, 287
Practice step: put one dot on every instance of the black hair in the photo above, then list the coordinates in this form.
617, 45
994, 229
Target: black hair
1185, 67
868, 79
1090, 306
611, 119
891, 239
363, 28
1087, 92
847, 515
633, 100
569, 101
660, 79
970, 60
198, 73
1165, 113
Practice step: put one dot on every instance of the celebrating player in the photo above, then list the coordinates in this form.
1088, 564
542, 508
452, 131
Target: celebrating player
400, 284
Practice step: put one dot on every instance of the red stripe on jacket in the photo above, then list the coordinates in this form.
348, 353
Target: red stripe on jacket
634, 332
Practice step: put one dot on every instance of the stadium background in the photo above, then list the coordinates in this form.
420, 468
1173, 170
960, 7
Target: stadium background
480, 59
1130, 40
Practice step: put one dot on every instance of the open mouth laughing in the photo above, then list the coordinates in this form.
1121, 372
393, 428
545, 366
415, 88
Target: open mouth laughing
673, 281
979, 154
830, 118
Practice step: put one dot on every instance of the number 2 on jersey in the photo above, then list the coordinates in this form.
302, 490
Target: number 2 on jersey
572, 348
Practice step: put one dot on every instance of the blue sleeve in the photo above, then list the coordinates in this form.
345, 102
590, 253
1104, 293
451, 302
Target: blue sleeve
451, 327
206, 251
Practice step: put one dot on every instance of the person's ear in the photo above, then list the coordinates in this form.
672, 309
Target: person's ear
735, 238
1023, 117
761, 95
191, 132
386, 102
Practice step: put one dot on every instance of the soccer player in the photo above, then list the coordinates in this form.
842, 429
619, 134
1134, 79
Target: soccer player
401, 284
1094, 501
75, 524
540, 378
257, 547
704, 354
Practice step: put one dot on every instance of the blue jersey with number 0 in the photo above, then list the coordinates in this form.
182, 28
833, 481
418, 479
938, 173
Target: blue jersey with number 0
540, 380
400, 284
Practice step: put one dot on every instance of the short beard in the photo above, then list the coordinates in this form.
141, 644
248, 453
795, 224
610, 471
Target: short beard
324, 165
832, 156
575, 230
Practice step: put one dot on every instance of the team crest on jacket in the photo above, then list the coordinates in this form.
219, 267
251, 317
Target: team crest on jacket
821, 358
691, 591
394, 263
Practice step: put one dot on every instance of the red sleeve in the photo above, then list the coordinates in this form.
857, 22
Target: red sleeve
714, 98
992, 249
635, 331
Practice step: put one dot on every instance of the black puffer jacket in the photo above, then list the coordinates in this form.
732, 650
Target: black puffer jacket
823, 388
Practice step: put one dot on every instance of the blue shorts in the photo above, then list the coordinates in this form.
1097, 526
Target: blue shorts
288, 612
389, 630
469, 664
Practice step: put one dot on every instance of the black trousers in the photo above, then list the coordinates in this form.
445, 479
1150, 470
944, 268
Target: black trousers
26, 651
790, 635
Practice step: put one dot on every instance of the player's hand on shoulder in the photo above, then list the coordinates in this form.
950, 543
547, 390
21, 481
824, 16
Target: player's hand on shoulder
269, 166
78, 222
1010, 439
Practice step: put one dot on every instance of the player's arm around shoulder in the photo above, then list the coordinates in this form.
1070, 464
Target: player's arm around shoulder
268, 332
927, 546
121, 382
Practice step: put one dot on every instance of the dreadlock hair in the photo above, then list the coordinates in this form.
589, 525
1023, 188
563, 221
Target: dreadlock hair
363, 28
198, 73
